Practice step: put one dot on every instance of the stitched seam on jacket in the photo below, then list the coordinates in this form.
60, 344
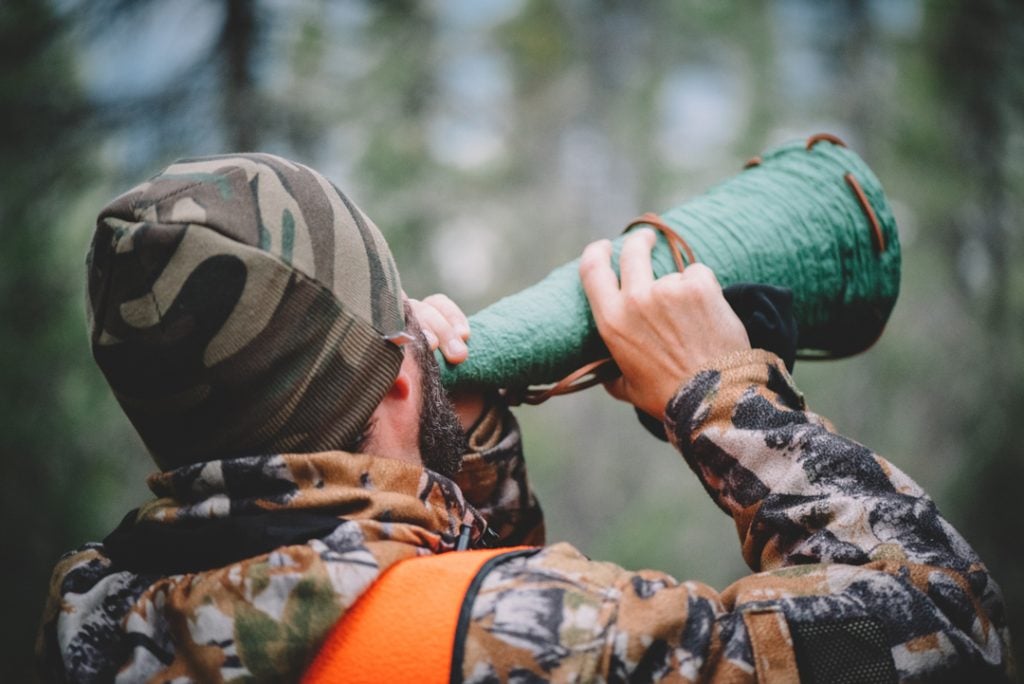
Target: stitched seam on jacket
466, 611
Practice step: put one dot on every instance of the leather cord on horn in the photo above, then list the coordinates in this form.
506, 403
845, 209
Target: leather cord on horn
582, 378
603, 370
878, 239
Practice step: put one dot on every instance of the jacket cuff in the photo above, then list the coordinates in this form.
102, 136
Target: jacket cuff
725, 380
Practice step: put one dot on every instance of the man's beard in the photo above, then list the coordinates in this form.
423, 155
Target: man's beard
443, 442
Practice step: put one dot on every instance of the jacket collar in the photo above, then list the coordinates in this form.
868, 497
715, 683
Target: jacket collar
391, 499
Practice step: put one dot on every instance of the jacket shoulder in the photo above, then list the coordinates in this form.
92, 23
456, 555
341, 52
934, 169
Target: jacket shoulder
552, 615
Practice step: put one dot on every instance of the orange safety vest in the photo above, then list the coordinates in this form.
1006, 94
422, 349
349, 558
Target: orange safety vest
406, 626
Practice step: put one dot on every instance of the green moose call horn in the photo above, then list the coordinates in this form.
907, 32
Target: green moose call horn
811, 217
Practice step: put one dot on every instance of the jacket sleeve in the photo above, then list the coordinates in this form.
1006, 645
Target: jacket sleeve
493, 478
857, 575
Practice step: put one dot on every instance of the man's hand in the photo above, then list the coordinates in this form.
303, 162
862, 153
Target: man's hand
444, 326
660, 332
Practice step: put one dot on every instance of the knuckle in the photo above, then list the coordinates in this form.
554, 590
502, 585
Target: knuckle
701, 281
672, 285
590, 264
635, 299
614, 326
641, 235
436, 321
702, 274
587, 261
610, 317
635, 243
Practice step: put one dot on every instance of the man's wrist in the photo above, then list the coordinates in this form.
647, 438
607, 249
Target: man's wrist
737, 370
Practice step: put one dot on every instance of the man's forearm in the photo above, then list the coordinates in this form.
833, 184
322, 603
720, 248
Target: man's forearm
802, 495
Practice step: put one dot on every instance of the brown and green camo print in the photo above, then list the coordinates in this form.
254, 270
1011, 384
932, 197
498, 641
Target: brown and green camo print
840, 540
837, 537
241, 305
264, 617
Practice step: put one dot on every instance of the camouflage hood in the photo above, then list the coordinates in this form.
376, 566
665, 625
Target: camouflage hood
242, 305
264, 612
390, 499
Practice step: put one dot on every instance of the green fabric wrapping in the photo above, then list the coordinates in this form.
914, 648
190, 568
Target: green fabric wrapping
791, 221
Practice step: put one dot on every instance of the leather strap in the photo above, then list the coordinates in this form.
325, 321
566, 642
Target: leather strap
605, 369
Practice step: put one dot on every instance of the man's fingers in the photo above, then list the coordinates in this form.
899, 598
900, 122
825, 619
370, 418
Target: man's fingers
429, 319
599, 281
616, 388
699, 273
440, 332
635, 260
451, 311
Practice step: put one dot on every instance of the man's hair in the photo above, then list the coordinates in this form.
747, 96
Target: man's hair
241, 305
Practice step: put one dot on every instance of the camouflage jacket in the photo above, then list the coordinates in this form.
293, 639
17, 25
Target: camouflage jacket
856, 572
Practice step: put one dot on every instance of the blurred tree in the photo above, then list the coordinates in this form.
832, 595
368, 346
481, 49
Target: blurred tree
982, 58
592, 102
391, 105
64, 442
240, 101
45, 154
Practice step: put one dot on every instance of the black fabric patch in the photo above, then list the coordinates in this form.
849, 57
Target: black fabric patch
853, 650
757, 413
684, 407
924, 536
737, 483
645, 588
100, 645
243, 476
734, 634
197, 545
767, 313
653, 664
785, 391
700, 622
84, 577
843, 465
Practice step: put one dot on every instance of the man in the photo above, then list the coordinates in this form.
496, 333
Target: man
250, 321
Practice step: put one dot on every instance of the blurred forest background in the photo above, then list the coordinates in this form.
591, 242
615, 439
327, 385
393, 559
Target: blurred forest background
490, 140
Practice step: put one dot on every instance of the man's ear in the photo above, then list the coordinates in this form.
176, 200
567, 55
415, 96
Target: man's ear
395, 421
401, 388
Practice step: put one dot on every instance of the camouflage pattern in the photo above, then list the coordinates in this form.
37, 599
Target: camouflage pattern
833, 532
254, 253
835, 535
263, 618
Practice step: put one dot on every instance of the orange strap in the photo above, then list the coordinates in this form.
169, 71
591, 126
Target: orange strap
403, 629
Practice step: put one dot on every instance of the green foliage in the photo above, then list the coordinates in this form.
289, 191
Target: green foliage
52, 397
273, 647
536, 43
